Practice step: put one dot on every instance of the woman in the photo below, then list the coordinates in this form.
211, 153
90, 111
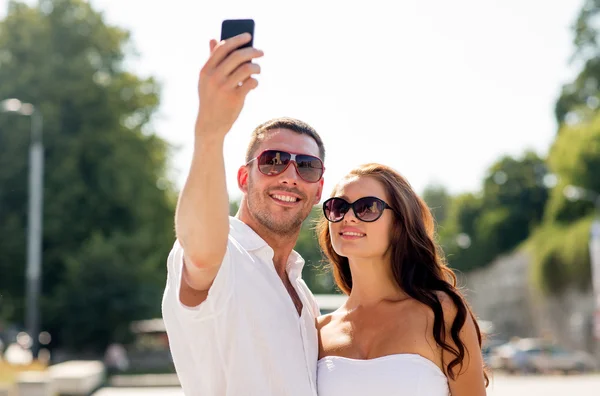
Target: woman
405, 329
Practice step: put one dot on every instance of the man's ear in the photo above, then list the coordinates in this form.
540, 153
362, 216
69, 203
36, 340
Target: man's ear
319, 193
242, 178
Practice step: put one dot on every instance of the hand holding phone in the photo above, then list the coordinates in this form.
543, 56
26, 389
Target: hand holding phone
227, 78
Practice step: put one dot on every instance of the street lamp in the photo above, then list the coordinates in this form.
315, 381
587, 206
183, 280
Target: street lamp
34, 229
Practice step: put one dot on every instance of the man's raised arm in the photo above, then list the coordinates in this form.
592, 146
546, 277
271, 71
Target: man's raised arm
202, 217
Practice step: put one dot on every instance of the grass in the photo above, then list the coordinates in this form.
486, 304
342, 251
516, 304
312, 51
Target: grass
9, 372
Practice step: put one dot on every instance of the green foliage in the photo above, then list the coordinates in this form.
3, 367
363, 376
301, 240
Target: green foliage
107, 284
580, 98
494, 231
560, 246
464, 212
438, 199
456, 234
575, 159
234, 206
561, 256
108, 206
517, 184
316, 273
511, 205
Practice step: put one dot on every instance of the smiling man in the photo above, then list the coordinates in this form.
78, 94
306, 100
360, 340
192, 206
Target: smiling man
239, 317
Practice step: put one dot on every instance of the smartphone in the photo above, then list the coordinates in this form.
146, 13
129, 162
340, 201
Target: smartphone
233, 27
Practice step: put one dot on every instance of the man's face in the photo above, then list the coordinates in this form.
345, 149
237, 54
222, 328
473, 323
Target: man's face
280, 203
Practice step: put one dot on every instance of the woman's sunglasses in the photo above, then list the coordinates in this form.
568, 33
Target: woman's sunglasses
367, 209
274, 162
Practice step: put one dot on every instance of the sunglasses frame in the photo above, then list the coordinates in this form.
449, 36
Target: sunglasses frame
351, 206
292, 159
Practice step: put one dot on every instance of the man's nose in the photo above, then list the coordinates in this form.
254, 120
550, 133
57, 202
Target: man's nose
290, 175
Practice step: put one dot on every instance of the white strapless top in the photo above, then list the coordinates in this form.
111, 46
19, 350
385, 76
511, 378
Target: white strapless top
392, 375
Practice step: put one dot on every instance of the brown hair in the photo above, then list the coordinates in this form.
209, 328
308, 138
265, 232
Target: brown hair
292, 124
417, 261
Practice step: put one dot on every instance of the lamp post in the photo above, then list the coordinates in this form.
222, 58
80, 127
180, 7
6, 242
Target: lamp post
34, 219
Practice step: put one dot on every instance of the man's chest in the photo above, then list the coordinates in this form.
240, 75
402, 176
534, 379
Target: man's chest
261, 284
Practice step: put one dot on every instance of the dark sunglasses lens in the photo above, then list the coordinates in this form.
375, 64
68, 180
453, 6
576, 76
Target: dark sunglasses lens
309, 168
335, 209
368, 208
273, 162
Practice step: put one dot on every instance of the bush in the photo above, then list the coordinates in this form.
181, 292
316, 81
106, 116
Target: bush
561, 257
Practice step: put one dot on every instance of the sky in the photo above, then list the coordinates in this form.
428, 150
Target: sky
437, 89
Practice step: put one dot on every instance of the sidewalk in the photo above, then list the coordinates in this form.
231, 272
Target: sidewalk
144, 380
146, 384
156, 391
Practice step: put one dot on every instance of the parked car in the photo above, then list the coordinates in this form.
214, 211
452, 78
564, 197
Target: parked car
511, 356
488, 350
534, 355
555, 358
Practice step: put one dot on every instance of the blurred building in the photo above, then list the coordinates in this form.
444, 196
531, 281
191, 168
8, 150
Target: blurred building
503, 294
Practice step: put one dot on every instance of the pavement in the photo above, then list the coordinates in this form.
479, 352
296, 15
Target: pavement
162, 391
501, 385
145, 380
537, 385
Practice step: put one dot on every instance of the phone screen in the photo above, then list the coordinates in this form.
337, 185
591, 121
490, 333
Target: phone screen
233, 27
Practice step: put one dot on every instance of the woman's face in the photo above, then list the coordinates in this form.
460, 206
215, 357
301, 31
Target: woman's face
356, 239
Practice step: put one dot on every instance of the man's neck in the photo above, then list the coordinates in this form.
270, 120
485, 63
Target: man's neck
282, 245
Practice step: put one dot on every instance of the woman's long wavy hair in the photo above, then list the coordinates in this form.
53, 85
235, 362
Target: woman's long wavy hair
417, 261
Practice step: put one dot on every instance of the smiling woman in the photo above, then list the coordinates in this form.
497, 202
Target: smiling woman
403, 312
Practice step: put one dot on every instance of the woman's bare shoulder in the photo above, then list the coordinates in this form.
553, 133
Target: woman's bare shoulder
323, 320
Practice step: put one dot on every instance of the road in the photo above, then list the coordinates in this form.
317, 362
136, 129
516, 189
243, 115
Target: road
501, 385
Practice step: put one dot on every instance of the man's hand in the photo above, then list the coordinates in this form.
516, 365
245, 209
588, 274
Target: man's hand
225, 80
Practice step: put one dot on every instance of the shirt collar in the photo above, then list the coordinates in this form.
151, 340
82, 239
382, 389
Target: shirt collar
245, 235
251, 241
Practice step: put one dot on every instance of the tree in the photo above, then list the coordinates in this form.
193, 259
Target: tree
581, 97
561, 257
108, 205
115, 283
575, 159
438, 199
510, 206
560, 247
458, 236
514, 198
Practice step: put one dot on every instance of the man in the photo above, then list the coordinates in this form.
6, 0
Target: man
240, 320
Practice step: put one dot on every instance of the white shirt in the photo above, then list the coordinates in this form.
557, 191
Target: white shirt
246, 338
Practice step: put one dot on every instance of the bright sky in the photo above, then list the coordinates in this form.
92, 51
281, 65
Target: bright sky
437, 89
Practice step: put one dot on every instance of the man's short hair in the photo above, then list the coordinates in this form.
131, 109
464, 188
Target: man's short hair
292, 124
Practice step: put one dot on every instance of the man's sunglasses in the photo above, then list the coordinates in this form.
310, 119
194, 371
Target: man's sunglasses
274, 162
367, 209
